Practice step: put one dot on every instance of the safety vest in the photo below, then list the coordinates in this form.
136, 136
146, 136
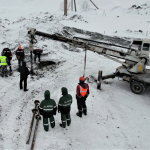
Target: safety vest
3, 60
83, 91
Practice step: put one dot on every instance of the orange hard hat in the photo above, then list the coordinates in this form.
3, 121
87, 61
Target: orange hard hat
81, 79
19, 47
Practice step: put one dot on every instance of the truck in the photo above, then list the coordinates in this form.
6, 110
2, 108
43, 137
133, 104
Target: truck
133, 61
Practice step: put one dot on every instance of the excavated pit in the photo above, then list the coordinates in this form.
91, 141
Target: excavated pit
46, 63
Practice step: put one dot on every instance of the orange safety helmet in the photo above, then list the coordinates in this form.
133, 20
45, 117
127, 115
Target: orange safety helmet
19, 47
81, 79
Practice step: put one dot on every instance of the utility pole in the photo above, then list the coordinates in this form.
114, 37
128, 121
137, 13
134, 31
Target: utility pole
71, 5
94, 4
65, 7
75, 5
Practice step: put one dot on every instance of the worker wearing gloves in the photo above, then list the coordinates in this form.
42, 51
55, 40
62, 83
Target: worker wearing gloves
82, 92
8, 54
37, 52
24, 72
48, 108
3, 62
64, 107
20, 55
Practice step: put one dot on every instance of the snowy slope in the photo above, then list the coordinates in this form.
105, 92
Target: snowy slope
117, 118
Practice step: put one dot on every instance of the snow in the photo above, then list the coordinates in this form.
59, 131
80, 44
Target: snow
117, 118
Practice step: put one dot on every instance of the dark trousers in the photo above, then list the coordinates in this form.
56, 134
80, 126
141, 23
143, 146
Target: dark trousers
4, 70
35, 56
46, 124
64, 118
20, 62
81, 103
25, 83
9, 64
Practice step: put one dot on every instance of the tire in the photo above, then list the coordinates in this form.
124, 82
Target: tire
137, 87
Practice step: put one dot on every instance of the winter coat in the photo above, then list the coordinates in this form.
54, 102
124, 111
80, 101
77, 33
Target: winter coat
65, 102
85, 86
7, 52
20, 54
24, 72
48, 106
37, 51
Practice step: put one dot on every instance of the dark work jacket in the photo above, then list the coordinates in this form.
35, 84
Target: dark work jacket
37, 51
24, 72
65, 102
7, 52
20, 53
48, 106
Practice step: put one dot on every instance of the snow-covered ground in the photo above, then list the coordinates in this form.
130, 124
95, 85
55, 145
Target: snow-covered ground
117, 118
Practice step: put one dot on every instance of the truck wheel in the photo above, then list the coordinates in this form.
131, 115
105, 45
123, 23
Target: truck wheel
137, 87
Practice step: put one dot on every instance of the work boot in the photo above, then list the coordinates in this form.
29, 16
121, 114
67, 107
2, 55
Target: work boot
26, 90
85, 112
79, 114
61, 125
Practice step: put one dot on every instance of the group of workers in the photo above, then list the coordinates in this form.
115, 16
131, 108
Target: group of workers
6, 57
48, 106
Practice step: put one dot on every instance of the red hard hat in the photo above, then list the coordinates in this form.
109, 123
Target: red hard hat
81, 79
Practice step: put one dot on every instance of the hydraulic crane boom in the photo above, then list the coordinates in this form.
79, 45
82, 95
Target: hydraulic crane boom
135, 61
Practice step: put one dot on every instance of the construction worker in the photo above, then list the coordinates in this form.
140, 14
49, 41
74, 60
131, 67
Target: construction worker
3, 61
64, 107
8, 54
37, 52
24, 72
20, 55
47, 109
82, 92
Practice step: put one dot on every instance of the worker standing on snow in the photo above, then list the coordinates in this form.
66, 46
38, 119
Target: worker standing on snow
37, 52
24, 72
20, 55
3, 61
8, 54
64, 107
48, 108
82, 92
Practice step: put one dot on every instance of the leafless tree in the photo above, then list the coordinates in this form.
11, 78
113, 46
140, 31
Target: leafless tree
61, 7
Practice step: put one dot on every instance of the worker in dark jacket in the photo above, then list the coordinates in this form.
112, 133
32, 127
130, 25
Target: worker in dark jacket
82, 92
64, 107
37, 52
20, 55
24, 72
47, 109
8, 54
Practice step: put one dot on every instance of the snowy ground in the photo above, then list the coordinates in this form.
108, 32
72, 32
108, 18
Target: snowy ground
117, 118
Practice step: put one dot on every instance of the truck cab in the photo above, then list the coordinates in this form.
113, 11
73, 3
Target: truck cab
142, 45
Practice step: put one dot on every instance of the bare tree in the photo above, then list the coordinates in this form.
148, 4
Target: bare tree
61, 7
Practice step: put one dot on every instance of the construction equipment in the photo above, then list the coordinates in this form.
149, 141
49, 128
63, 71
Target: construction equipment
38, 117
34, 111
135, 59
